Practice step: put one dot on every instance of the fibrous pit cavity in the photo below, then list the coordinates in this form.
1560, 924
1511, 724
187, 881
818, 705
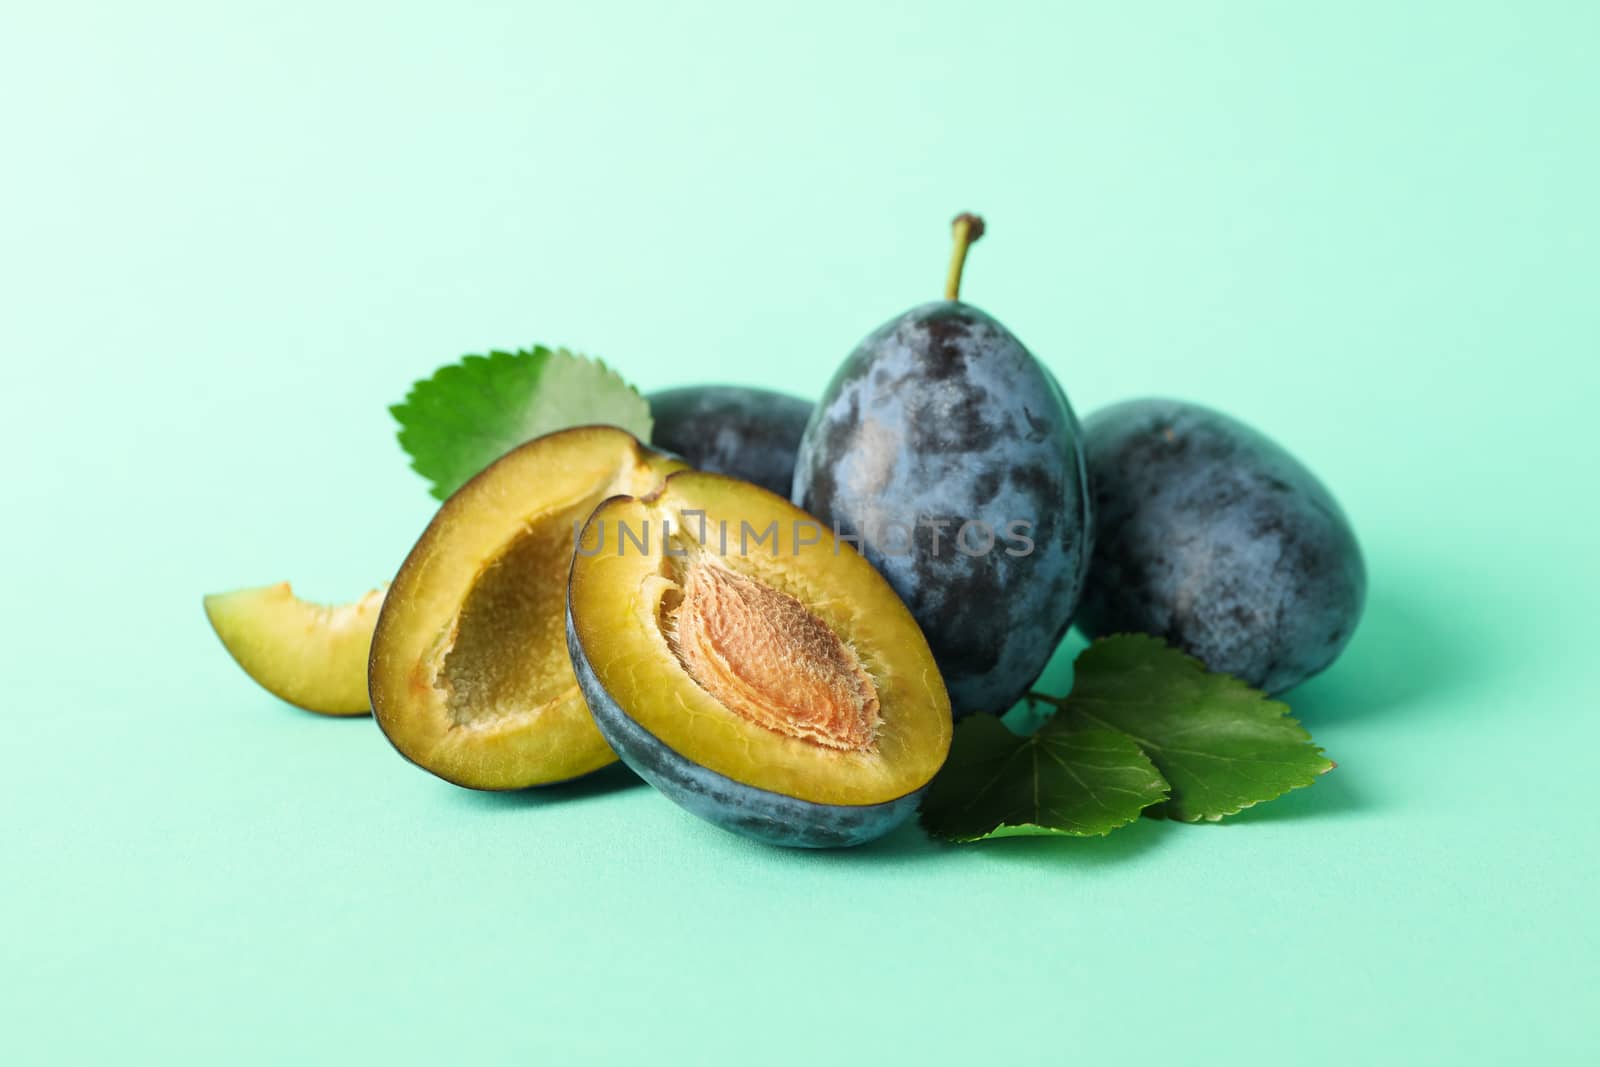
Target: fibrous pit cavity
766, 657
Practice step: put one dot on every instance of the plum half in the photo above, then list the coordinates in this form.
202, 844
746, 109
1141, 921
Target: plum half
469, 675
751, 667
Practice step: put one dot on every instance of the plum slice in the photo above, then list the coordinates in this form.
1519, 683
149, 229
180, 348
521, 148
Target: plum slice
312, 655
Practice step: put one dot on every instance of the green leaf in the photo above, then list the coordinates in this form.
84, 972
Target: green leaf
1076, 783
471, 413
1222, 745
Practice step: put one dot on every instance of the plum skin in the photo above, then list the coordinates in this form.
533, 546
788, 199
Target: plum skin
942, 413
1212, 537
748, 433
745, 810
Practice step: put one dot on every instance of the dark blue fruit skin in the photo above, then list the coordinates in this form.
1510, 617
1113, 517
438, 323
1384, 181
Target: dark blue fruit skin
751, 434
755, 813
1211, 536
943, 414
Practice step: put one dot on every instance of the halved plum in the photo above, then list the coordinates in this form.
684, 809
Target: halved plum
751, 667
469, 675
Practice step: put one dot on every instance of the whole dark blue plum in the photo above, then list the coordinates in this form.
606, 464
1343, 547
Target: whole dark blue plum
1211, 536
751, 434
952, 452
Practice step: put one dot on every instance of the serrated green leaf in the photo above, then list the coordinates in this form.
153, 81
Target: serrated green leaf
470, 413
1222, 745
1074, 783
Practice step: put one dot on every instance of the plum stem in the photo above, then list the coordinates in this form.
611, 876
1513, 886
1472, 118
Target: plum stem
968, 228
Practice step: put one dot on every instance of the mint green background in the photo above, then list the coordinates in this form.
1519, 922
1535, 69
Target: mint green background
231, 235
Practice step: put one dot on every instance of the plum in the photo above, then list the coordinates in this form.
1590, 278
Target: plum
954, 456
469, 675
748, 433
1212, 537
312, 655
751, 669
